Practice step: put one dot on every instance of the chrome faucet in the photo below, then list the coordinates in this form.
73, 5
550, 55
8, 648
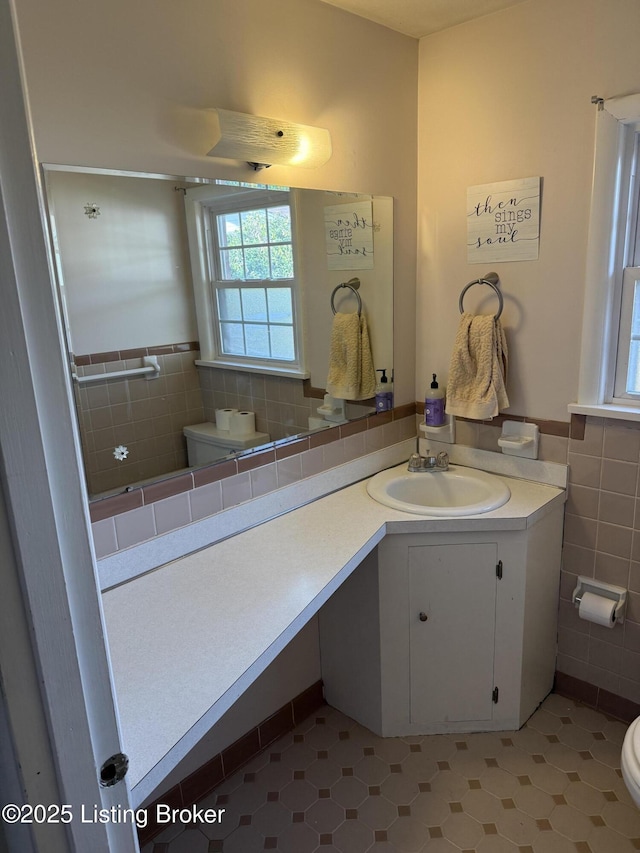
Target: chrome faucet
419, 464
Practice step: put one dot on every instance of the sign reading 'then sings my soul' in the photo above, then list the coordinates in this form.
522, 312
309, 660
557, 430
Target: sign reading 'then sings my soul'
503, 221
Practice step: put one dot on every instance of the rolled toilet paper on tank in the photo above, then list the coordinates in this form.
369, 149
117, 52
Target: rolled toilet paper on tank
242, 423
597, 609
223, 418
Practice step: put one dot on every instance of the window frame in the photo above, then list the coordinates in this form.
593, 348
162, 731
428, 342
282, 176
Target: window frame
610, 248
202, 205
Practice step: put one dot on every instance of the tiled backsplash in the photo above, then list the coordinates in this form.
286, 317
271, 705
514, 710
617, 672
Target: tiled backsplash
144, 415
281, 407
143, 513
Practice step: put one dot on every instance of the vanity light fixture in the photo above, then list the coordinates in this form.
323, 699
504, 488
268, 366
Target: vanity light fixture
263, 142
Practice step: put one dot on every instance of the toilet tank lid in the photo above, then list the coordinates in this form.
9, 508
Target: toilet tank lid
210, 434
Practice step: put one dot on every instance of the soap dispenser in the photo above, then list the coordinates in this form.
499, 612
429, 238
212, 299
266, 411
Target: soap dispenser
434, 405
384, 393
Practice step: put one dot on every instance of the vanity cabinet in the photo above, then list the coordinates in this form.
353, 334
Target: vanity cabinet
446, 631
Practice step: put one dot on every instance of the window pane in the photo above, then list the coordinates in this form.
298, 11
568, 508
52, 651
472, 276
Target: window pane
257, 338
256, 263
281, 262
229, 229
254, 227
279, 224
229, 304
633, 371
232, 338
280, 307
282, 342
254, 304
231, 264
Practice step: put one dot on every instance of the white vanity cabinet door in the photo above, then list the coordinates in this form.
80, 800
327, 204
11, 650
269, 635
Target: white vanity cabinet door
452, 627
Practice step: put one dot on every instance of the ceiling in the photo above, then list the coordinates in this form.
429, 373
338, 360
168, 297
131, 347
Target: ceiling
419, 18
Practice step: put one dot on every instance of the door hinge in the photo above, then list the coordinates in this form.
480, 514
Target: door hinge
499, 570
494, 695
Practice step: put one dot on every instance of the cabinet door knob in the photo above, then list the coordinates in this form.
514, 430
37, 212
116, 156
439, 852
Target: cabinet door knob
422, 616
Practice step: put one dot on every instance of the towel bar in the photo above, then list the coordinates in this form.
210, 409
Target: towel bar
353, 284
492, 280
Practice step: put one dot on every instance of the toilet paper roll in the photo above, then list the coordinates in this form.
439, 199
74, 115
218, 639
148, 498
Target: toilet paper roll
223, 418
598, 609
242, 423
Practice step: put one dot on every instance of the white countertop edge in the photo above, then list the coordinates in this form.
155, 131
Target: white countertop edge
145, 787
131, 562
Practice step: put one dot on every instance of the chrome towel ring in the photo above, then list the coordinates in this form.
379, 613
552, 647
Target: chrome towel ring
353, 284
492, 280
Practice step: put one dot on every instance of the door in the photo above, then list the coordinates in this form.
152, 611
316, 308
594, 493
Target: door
452, 612
58, 722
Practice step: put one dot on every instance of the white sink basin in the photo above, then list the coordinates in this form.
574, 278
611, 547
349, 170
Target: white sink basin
457, 491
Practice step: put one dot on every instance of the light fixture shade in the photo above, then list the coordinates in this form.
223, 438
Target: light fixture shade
256, 139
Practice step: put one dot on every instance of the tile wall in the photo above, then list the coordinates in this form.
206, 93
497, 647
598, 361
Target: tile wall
601, 540
280, 404
136, 516
144, 415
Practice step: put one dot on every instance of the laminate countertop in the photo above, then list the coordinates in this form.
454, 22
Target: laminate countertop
187, 639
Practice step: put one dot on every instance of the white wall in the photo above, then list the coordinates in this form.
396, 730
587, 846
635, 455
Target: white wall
504, 97
127, 85
126, 273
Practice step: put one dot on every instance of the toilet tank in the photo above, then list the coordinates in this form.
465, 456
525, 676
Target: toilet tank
206, 443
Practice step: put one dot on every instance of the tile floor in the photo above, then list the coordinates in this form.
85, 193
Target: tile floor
332, 785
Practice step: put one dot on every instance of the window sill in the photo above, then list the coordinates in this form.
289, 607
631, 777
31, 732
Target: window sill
286, 372
606, 410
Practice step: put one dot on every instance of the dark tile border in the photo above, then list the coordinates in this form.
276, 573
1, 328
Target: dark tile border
565, 429
138, 352
204, 780
596, 697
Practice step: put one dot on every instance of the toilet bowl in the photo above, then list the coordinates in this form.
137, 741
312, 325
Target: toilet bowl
630, 760
206, 443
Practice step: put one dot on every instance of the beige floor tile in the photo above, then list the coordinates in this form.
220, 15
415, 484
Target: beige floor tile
462, 830
534, 802
331, 785
496, 844
624, 819
430, 809
482, 806
606, 840
584, 797
351, 837
377, 813
571, 822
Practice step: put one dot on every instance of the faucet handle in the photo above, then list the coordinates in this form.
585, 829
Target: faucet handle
415, 462
442, 460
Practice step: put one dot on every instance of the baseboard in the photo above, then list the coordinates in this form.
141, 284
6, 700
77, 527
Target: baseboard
205, 779
596, 697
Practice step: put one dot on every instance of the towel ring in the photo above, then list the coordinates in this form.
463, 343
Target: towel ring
492, 280
353, 284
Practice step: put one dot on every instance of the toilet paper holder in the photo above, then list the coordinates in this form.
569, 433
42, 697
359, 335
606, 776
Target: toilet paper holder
606, 590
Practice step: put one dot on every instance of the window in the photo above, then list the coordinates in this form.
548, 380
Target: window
610, 352
244, 239
254, 247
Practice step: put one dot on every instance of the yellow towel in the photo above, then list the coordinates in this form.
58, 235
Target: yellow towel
351, 374
478, 369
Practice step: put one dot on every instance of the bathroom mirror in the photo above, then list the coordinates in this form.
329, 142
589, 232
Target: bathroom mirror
134, 323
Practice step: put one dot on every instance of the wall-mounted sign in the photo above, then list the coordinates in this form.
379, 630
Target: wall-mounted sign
349, 236
503, 221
